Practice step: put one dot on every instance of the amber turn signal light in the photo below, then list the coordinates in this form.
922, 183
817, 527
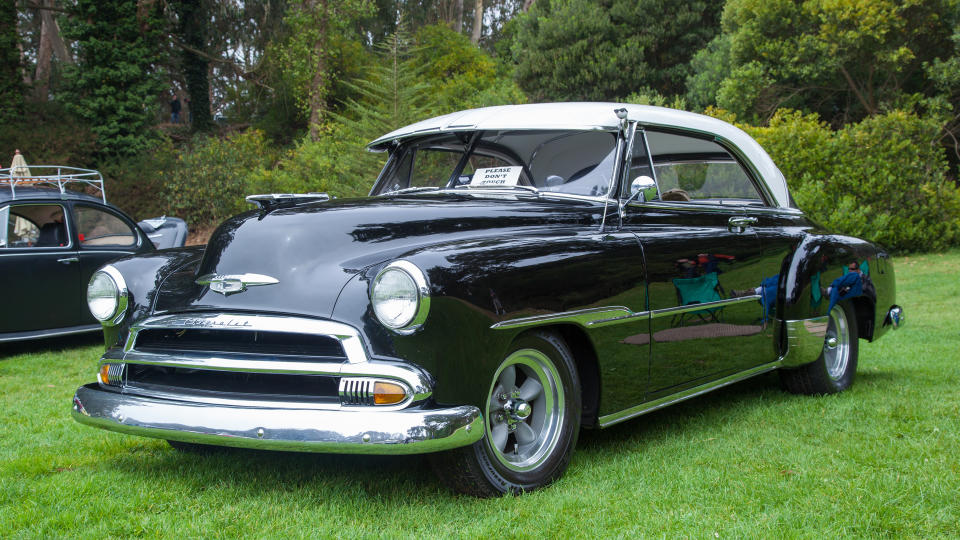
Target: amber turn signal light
386, 393
105, 374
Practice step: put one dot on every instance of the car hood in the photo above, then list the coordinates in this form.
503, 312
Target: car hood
313, 250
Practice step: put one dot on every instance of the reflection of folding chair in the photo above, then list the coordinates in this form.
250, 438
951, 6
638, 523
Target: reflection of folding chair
698, 290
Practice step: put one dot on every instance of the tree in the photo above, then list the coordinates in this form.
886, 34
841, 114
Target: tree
114, 87
193, 20
844, 59
308, 52
11, 76
607, 49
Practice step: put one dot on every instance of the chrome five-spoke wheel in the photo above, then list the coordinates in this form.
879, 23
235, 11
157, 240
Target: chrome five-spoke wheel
525, 410
532, 419
836, 344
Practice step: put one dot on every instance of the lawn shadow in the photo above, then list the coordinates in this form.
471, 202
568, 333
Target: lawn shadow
51, 344
260, 472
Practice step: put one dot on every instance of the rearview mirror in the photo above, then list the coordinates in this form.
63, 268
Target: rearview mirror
643, 188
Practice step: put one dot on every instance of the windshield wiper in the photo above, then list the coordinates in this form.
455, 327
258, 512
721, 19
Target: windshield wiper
411, 190
494, 188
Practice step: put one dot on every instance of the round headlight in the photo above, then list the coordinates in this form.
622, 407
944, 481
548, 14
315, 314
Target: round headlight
107, 295
400, 297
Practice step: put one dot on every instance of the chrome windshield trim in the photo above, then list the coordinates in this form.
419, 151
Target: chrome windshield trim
348, 336
644, 408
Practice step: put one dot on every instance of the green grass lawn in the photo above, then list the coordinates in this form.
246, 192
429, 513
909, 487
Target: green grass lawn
882, 459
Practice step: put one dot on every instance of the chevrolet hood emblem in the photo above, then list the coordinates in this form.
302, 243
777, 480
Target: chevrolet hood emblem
234, 283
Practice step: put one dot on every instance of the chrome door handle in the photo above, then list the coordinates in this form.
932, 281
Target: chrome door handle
740, 223
68, 260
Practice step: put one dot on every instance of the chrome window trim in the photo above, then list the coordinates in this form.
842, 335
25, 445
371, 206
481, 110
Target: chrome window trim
739, 156
692, 206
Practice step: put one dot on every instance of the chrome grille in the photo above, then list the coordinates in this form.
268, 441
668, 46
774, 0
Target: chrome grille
239, 341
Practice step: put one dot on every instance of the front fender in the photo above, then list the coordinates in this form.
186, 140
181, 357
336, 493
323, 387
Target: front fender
143, 275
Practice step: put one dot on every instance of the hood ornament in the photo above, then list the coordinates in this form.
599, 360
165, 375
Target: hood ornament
228, 284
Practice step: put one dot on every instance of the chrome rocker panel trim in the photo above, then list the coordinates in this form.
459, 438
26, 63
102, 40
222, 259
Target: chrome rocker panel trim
411, 431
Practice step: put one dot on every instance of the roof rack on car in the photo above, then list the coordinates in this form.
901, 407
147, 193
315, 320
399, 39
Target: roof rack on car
51, 176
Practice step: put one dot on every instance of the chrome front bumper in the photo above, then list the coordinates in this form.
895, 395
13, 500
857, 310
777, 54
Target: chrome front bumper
406, 431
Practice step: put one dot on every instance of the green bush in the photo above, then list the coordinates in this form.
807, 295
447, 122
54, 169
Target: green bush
336, 164
47, 135
884, 179
208, 183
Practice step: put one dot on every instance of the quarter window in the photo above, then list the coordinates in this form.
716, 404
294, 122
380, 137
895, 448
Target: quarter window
98, 228
689, 169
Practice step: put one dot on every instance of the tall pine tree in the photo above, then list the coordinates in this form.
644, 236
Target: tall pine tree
115, 87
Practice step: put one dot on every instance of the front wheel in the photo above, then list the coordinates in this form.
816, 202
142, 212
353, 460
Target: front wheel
531, 421
836, 367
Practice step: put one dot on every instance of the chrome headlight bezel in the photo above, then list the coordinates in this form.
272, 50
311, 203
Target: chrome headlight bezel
121, 295
419, 311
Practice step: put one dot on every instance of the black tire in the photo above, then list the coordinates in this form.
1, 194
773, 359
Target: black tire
836, 367
529, 436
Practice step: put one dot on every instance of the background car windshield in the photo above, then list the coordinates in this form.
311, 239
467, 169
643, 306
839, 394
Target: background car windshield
574, 162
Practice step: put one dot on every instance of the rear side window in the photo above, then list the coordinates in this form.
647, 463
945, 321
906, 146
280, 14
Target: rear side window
690, 169
33, 226
96, 227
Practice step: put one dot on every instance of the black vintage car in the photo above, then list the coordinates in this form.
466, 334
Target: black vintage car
52, 240
516, 274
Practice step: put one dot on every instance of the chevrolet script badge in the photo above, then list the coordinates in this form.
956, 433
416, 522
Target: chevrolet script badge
234, 283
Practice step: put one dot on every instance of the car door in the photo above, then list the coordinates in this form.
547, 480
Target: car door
103, 235
704, 261
40, 268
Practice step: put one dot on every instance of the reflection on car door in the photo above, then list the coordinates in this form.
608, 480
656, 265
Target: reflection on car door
705, 268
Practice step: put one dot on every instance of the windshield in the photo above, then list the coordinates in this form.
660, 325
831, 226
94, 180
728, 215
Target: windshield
574, 162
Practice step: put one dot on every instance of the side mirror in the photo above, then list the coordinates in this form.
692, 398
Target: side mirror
643, 188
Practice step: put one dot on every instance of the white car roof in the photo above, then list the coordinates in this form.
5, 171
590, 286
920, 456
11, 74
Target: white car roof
598, 116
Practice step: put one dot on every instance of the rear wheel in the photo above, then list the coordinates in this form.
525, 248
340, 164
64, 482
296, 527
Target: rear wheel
836, 367
531, 420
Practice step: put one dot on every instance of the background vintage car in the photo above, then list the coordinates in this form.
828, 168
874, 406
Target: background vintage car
620, 259
52, 240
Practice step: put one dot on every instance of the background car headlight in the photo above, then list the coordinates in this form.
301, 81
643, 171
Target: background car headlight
400, 297
107, 295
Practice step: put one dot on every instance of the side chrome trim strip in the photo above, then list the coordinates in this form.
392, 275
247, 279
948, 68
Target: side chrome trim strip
603, 316
41, 334
644, 408
580, 316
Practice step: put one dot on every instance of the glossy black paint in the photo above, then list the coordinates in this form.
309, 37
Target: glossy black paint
497, 257
51, 282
